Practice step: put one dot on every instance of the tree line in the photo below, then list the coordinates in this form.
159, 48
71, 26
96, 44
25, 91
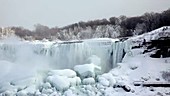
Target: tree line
113, 27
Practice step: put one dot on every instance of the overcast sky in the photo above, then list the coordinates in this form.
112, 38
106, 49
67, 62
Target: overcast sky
52, 13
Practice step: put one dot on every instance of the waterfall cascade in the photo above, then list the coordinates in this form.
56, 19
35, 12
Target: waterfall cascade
66, 54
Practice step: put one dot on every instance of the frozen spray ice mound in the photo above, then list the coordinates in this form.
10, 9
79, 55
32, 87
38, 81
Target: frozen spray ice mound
87, 70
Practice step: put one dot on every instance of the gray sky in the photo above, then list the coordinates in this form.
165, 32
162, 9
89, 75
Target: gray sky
52, 13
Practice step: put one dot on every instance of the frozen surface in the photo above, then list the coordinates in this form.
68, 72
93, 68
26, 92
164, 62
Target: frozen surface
87, 70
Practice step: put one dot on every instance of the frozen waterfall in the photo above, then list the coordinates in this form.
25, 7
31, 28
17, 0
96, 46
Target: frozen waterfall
61, 55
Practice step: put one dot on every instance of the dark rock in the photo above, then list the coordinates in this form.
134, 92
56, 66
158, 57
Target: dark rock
166, 75
126, 88
151, 89
117, 86
160, 94
157, 79
167, 93
133, 91
134, 47
145, 51
145, 78
133, 67
157, 54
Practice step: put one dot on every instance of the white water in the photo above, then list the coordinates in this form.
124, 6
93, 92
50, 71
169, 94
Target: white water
27, 58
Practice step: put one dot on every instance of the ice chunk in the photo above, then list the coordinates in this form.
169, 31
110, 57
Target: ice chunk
47, 91
54, 94
22, 93
87, 70
74, 81
103, 81
87, 81
65, 72
78, 80
69, 93
30, 90
37, 93
7, 86
59, 82
24, 82
109, 78
8, 93
47, 85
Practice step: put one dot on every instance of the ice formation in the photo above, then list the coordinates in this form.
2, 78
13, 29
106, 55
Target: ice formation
56, 68
52, 61
62, 55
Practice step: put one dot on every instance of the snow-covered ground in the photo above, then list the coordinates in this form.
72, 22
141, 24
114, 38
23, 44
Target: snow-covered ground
86, 79
153, 35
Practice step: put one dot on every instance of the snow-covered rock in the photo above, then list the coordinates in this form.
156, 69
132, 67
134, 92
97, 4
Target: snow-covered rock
103, 81
54, 94
87, 70
22, 93
87, 81
6, 86
107, 79
30, 90
8, 93
59, 82
24, 82
74, 81
78, 80
69, 93
47, 91
46, 85
65, 72
61, 79
37, 93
